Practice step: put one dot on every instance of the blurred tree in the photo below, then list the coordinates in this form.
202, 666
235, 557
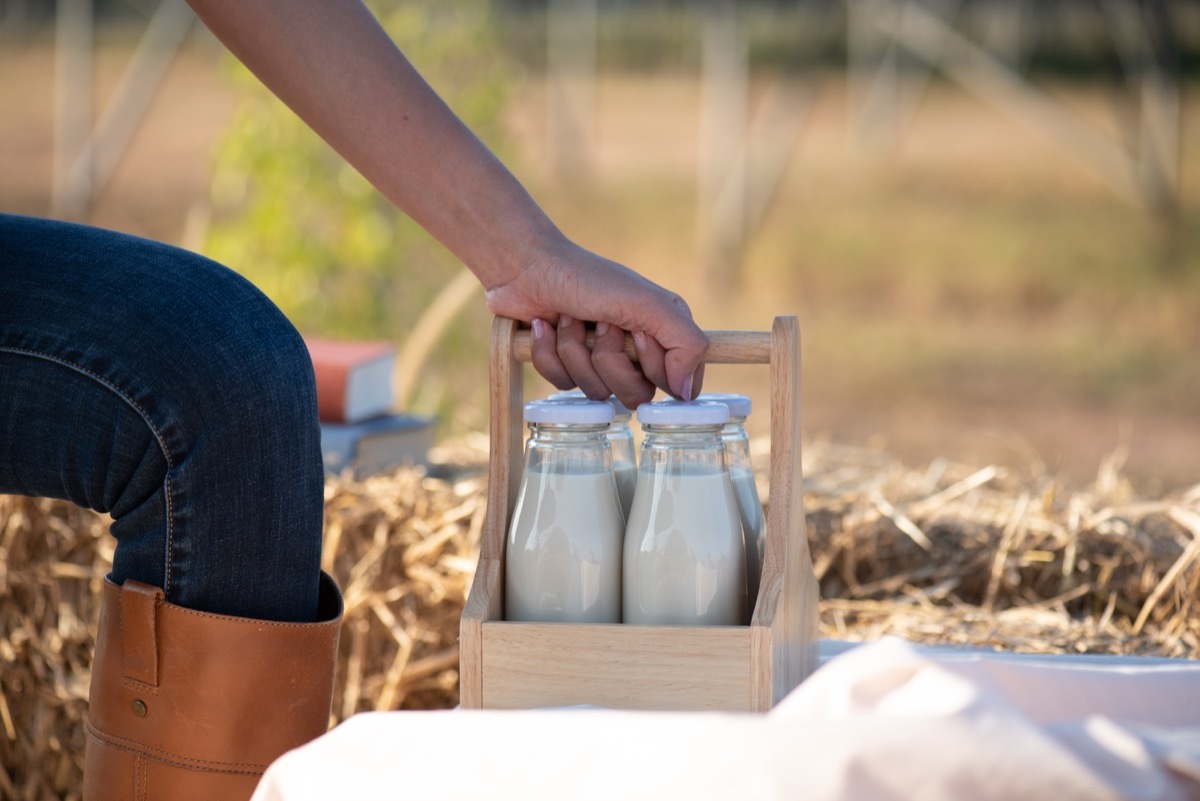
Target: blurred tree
322, 243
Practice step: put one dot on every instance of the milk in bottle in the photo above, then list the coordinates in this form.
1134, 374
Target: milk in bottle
620, 439
684, 558
563, 551
741, 472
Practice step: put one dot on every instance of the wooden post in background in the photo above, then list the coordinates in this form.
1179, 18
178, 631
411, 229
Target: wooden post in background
85, 158
72, 174
570, 86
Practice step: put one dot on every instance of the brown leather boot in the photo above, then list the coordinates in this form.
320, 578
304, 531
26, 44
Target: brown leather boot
187, 705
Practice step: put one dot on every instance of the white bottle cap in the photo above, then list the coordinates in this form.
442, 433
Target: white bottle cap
621, 409
568, 411
739, 405
676, 412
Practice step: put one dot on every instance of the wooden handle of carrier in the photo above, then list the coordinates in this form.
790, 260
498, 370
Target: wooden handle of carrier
724, 347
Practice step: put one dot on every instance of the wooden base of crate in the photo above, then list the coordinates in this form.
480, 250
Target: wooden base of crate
524, 665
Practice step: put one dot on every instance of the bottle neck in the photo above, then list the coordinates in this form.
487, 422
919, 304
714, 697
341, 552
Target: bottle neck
736, 427
567, 449
620, 428
683, 447
683, 435
568, 434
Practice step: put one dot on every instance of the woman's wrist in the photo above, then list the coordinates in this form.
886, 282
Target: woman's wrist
513, 250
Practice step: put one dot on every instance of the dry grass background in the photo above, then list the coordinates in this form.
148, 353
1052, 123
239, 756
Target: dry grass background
948, 553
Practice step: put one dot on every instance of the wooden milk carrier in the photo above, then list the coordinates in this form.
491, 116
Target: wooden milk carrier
522, 665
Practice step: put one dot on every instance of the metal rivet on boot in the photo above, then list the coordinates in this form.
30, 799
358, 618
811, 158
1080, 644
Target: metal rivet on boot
139, 708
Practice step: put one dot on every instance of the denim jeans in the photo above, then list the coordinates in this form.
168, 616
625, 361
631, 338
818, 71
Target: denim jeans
154, 385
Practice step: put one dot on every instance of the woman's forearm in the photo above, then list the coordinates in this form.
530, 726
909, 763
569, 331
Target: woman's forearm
330, 61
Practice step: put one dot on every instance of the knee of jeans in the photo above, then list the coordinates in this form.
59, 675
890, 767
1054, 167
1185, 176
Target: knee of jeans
242, 373
265, 388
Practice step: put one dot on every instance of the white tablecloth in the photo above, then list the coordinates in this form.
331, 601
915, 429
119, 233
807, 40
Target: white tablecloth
880, 721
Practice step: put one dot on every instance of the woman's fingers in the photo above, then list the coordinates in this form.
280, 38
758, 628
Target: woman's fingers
651, 359
543, 351
577, 359
683, 345
560, 354
619, 373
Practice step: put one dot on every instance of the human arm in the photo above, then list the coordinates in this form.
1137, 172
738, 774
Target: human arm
333, 64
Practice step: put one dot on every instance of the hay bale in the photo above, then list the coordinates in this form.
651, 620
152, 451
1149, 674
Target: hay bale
980, 556
403, 548
946, 554
53, 557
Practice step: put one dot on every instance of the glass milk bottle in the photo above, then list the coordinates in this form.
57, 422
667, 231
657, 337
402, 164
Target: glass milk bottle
741, 473
620, 438
684, 560
563, 552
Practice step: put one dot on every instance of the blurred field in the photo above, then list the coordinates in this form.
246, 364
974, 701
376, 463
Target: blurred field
973, 292
970, 292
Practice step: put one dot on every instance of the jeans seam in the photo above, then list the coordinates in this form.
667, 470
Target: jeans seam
158, 435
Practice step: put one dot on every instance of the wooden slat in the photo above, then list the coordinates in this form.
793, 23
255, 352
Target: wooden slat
504, 455
794, 626
485, 593
486, 598
625, 667
724, 347
763, 652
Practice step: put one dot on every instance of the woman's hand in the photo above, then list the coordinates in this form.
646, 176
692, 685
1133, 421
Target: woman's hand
563, 286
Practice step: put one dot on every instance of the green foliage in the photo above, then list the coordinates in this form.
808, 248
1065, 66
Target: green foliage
316, 237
